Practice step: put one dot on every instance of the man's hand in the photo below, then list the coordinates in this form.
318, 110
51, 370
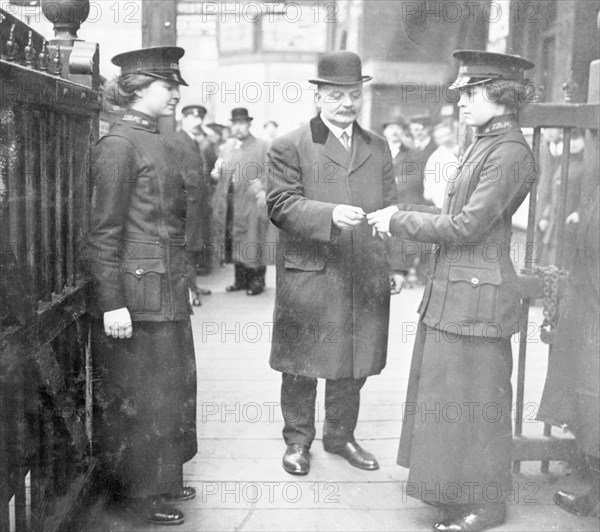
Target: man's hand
396, 283
347, 217
380, 220
261, 199
117, 323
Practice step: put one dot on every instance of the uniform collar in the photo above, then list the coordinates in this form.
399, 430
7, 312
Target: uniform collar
497, 126
139, 120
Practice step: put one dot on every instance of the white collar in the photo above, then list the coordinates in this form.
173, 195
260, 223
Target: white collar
338, 131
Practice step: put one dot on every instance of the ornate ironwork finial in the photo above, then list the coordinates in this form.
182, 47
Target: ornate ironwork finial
11, 45
29, 51
66, 15
56, 63
570, 88
43, 58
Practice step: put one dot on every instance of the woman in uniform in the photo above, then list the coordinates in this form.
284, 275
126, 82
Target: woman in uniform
143, 353
456, 436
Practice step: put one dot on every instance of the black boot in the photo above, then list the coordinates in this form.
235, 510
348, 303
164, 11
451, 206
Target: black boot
256, 281
587, 503
240, 282
472, 517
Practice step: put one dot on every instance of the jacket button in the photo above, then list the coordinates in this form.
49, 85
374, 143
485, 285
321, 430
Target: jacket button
474, 281
139, 271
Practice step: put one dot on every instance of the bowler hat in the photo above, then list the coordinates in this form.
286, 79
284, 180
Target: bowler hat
240, 114
398, 121
160, 62
340, 68
424, 119
478, 66
217, 128
196, 110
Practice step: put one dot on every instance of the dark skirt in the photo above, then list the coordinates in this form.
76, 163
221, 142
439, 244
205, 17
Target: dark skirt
145, 406
456, 433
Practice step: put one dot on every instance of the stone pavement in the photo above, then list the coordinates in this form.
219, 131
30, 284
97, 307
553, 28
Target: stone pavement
237, 472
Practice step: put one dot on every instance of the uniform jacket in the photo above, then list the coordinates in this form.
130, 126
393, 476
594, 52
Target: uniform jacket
197, 190
332, 295
473, 288
243, 168
136, 244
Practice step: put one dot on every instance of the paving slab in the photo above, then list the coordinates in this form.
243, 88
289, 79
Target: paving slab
237, 472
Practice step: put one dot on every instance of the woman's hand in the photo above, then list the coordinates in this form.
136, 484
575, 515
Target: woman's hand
380, 220
117, 323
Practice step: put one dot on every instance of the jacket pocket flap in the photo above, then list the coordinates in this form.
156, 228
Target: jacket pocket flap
475, 276
304, 265
141, 267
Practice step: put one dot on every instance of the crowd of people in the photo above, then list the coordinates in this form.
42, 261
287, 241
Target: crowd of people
354, 214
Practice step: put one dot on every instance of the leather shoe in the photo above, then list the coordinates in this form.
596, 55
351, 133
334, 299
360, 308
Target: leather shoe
187, 493
581, 505
254, 290
296, 460
155, 511
234, 288
473, 519
355, 455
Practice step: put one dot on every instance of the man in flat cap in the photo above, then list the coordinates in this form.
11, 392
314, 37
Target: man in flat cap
197, 188
240, 214
333, 277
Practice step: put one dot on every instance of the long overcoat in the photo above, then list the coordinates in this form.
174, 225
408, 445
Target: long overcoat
145, 386
572, 390
332, 296
197, 190
462, 357
243, 174
409, 169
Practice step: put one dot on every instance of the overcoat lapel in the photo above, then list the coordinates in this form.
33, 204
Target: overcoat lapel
360, 151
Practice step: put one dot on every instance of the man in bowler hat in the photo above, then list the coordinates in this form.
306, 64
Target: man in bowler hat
240, 214
333, 277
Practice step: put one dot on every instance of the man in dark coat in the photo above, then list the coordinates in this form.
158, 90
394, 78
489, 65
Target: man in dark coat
572, 391
197, 188
333, 278
409, 182
240, 213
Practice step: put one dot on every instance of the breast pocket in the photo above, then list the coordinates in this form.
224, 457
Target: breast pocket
144, 282
473, 294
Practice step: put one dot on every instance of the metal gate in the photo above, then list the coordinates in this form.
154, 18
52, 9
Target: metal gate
566, 116
49, 108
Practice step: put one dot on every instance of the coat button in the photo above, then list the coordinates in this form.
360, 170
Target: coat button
474, 281
139, 271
